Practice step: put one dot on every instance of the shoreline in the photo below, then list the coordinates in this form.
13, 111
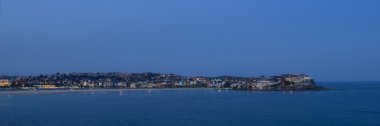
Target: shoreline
300, 90
64, 91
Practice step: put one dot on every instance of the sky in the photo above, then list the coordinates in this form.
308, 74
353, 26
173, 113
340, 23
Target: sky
331, 40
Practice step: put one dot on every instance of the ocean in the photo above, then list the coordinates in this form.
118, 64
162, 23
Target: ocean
350, 104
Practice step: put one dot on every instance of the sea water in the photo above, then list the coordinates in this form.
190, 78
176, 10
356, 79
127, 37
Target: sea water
350, 104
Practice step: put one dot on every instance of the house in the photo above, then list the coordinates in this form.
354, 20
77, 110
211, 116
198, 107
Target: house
152, 85
121, 84
5, 83
132, 85
46, 86
181, 83
298, 78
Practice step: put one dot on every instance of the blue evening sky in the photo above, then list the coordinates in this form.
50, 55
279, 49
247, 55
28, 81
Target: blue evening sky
332, 40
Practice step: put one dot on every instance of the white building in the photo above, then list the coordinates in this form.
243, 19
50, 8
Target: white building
132, 86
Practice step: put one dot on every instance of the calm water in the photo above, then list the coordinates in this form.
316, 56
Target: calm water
353, 104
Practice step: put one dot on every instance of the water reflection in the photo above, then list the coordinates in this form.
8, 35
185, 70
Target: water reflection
120, 93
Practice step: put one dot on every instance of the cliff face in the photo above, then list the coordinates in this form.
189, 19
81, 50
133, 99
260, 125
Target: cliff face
283, 82
310, 85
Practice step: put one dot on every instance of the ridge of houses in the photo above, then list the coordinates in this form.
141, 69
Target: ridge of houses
155, 80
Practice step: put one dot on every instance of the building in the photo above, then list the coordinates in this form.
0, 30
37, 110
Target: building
181, 83
46, 86
298, 78
132, 85
5, 83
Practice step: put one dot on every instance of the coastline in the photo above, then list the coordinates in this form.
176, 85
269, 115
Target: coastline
64, 91
300, 90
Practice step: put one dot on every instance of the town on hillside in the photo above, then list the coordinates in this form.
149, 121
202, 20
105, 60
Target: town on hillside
155, 80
